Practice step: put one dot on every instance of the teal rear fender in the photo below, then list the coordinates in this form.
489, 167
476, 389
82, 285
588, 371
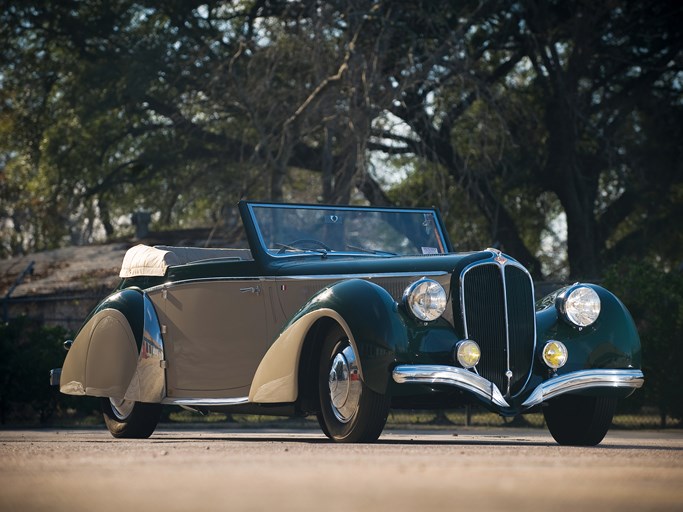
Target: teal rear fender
370, 317
129, 302
611, 342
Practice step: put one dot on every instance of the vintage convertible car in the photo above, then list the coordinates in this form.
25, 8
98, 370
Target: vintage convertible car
345, 312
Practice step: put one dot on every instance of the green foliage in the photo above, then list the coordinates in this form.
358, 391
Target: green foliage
429, 185
518, 116
29, 352
655, 299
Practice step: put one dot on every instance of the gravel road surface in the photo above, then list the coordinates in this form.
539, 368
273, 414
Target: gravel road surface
237, 470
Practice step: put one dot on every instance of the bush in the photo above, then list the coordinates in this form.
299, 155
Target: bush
655, 299
28, 352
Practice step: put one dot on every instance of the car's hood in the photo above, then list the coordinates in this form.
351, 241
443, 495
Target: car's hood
361, 265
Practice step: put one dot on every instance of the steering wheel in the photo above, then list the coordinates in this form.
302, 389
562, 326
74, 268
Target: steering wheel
304, 241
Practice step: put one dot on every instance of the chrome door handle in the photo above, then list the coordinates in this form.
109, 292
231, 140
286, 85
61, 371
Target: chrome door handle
251, 289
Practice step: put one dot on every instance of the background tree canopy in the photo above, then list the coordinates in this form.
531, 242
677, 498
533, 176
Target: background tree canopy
551, 128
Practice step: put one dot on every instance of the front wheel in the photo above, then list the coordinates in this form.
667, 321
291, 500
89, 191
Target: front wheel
130, 420
576, 420
350, 412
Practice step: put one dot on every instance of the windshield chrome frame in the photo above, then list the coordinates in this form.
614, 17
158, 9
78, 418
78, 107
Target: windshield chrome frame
321, 207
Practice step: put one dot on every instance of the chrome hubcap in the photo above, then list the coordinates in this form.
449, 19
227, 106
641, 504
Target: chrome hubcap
344, 384
121, 407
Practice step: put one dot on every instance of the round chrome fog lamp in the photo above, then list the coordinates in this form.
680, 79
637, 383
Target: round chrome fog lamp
579, 305
425, 299
555, 354
468, 353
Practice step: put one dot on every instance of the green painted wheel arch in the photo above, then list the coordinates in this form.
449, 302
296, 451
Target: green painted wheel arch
375, 323
130, 302
611, 342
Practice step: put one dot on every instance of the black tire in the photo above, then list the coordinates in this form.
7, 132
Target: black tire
575, 420
362, 415
323, 426
135, 420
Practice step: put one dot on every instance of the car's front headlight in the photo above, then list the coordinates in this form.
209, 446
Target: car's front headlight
425, 299
579, 305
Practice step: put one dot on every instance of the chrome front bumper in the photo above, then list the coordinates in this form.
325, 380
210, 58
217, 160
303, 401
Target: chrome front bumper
468, 381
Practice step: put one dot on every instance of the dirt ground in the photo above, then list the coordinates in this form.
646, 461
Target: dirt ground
212, 470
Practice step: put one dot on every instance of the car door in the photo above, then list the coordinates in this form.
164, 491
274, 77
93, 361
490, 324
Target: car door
215, 336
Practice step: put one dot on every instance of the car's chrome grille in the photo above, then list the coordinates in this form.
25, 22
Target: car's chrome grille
522, 324
499, 315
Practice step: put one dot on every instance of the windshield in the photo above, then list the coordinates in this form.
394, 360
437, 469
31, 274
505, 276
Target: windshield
287, 230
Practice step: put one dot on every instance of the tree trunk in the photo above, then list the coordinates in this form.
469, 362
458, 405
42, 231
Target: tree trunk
504, 233
573, 182
327, 165
105, 217
582, 252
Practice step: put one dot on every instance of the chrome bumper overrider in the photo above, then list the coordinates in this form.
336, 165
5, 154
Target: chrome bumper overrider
464, 379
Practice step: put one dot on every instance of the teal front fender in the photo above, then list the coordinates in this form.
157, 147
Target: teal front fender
370, 317
604, 359
373, 321
612, 342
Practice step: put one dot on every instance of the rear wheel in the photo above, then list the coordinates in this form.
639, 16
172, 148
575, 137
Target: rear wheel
576, 420
130, 420
350, 412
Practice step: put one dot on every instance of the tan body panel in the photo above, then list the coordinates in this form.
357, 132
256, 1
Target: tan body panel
103, 358
276, 380
223, 338
216, 334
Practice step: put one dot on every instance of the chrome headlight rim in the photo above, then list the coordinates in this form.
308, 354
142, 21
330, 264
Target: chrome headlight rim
425, 310
579, 305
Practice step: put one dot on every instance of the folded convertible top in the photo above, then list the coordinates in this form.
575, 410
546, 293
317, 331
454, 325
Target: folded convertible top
143, 260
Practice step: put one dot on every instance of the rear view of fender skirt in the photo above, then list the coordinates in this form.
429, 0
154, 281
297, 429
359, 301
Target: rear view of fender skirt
468, 381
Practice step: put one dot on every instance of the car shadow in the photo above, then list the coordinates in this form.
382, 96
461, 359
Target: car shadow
464, 441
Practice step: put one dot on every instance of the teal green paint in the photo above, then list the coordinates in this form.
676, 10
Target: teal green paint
212, 270
364, 265
430, 343
131, 304
385, 334
611, 342
376, 324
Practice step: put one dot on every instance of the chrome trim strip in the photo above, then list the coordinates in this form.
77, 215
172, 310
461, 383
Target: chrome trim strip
508, 371
584, 379
196, 402
323, 277
149, 383
452, 376
361, 276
